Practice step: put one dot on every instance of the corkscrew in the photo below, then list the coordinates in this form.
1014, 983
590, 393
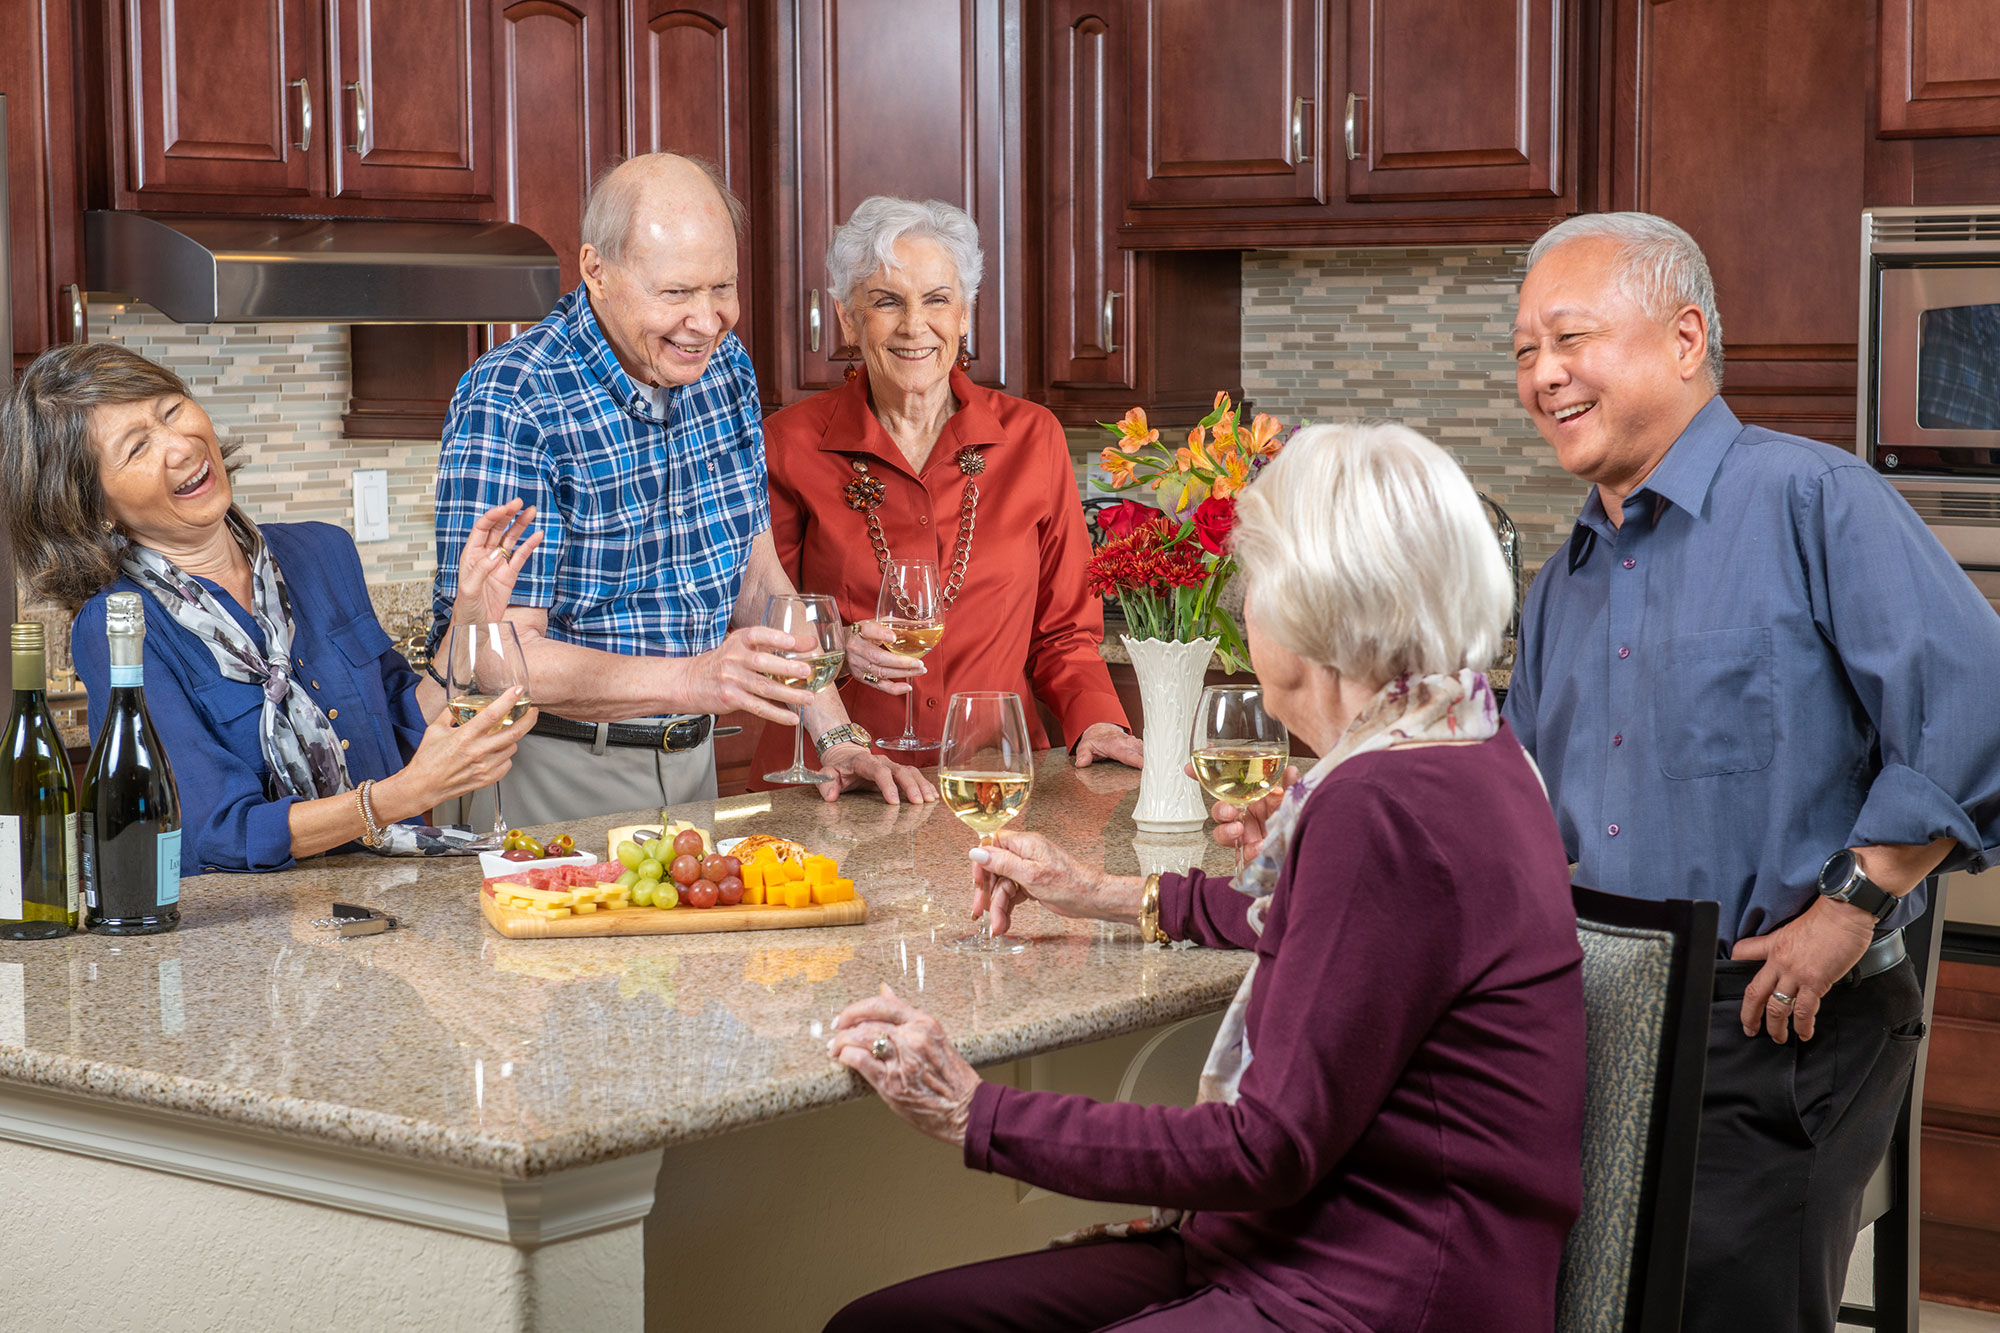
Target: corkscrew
351, 920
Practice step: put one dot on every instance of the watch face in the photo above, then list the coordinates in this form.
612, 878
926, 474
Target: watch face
1836, 876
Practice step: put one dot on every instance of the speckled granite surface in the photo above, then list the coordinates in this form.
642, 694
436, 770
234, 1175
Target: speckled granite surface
443, 1042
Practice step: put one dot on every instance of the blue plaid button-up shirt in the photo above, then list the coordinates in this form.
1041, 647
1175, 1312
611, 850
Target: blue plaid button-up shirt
647, 518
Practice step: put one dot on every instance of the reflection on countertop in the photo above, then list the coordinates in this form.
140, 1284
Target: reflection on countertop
441, 1041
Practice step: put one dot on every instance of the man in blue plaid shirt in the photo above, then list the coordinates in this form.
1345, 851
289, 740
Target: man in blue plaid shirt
629, 419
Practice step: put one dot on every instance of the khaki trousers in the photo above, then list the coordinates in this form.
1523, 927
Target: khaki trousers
555, 781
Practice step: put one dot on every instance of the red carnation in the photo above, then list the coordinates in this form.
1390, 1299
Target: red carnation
1125, 517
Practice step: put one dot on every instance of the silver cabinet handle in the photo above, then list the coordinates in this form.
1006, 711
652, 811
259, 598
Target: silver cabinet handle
1353, 101
305, 142
79, 324
1107, 335
812, 321
360, 117
1299, 105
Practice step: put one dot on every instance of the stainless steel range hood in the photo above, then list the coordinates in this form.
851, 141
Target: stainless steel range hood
209, 270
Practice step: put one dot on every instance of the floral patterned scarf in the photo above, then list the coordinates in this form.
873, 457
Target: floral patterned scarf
302, 755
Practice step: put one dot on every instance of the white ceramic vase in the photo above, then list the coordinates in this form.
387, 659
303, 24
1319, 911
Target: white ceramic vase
1170, 677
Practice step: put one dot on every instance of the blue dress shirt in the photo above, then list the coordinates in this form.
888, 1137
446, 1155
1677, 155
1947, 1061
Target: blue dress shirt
648, 503
1770, 660
208, 724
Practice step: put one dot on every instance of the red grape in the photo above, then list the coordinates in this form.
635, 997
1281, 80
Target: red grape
702, 893
685, 870
715, 867
729, 890
688, 842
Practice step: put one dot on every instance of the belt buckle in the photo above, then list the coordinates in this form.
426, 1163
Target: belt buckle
680, 735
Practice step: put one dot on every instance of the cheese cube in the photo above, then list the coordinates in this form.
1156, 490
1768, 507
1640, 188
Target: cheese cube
753, 893
819, 870
797, 893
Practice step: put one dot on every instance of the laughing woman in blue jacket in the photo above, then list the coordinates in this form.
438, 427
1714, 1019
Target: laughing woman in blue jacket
292, 723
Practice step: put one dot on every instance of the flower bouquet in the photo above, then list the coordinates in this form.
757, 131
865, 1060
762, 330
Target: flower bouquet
1168, 566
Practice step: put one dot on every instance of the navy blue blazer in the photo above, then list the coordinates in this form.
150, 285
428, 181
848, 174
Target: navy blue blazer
208, 723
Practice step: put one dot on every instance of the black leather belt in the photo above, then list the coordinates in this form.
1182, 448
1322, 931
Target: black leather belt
1882, 955
672, 735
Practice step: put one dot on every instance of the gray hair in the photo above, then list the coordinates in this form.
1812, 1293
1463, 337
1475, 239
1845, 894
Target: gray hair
1366, 550
1660, 267
615, 195
867, 241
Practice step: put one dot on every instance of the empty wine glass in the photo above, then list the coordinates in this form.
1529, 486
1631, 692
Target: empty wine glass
814, 624
481, 661
1240, 750
985, 772
909, 605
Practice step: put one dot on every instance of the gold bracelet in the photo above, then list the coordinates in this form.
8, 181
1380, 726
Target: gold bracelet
373, 837
1149, 914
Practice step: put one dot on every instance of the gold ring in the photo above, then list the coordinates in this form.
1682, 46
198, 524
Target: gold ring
871, 677
882, 1049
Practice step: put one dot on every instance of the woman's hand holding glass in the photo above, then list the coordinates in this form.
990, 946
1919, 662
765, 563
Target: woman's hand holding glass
1016, 867
873, 660
452, 761
1242, 827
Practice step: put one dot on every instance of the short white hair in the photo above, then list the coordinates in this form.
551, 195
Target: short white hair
867, 241
613, 205
1367, 550
1660, 267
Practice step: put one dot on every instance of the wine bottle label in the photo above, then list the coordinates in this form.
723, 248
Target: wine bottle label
127, 675
69, 862
10, 867
169, 850
86, 858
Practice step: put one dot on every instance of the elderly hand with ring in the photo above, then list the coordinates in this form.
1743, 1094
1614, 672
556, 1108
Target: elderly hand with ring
874, 664
903, 1053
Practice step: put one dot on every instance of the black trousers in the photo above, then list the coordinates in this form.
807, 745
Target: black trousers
1789, 1137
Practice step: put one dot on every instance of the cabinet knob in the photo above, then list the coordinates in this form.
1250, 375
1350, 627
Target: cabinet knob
812, 321
360, 118
1353, 106
305, 139
1299, 105
1107, 333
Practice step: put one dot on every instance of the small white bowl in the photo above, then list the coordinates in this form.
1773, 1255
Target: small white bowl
493, 865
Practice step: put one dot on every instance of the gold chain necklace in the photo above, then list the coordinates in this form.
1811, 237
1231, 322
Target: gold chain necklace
864, 494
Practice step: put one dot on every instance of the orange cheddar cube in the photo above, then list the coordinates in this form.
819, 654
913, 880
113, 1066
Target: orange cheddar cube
845, 888
753, 878
754, 893
798, 893
819, 870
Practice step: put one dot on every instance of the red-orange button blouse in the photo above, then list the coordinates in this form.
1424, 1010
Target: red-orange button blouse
1023, 620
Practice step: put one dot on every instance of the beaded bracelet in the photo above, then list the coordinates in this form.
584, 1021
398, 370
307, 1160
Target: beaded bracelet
373, 837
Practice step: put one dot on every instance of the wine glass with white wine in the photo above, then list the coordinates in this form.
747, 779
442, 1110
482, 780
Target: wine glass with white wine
1240, 751
910, 605
813, 622
481, 662
985, 772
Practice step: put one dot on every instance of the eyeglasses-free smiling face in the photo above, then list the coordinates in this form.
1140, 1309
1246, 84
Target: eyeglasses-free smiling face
666, 304
908, 320
160, 466
1607, 383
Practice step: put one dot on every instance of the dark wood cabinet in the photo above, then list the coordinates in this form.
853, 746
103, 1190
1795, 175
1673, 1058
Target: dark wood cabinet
37, 74
917, 99
1462, 100
691, 93
1087, 281
1768, 173
219, 102
1227, 103
1961, 1148
1938, 63
409, 100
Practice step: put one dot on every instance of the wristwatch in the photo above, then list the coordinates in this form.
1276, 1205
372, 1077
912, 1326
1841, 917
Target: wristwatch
1843, 880
840, 735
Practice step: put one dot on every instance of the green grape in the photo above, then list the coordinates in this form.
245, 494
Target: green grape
628, 879
665, 894
650, 869
630, 854
642, 896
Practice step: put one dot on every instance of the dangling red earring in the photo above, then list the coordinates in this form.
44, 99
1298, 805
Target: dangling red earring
964, 355
853, 371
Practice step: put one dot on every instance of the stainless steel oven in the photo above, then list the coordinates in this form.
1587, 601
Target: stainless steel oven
1929, 393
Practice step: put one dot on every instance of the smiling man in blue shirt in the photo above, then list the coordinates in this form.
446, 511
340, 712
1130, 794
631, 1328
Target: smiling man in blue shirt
1751, 675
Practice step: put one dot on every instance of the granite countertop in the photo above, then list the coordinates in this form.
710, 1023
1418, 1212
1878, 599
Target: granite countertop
441, 1041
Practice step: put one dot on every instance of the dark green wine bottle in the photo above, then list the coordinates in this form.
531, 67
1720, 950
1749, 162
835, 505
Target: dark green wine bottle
131, 826
38, 844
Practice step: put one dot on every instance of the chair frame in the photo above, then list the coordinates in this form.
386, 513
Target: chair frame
1666, 1202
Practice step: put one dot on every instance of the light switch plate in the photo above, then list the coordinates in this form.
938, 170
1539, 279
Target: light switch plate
371, 505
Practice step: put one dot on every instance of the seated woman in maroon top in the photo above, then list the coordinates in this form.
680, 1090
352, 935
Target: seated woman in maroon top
1388, 1129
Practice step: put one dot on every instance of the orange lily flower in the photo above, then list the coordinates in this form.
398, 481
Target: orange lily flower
1235, 474
1133, 432
1117, 466
1263, 435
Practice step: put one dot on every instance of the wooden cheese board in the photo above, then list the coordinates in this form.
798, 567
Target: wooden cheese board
519, 925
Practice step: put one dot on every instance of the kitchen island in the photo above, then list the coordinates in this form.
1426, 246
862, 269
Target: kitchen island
251, 1123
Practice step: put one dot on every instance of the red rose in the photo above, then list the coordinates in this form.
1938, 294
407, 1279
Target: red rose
1213, 518
1125, 517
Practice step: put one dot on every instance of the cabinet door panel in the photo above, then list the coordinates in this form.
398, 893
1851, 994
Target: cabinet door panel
910, 100
555, 73
409, 115
1226, 103
1087, 278
1459, 101
691, 94
210, 99
38, 72
1940, 67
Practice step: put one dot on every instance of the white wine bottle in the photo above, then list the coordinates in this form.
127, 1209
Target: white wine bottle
131, 823
37, 805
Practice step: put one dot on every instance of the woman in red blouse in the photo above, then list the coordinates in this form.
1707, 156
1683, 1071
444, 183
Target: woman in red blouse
912, 460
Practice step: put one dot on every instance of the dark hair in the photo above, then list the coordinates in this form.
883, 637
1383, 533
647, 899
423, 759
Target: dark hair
55, 498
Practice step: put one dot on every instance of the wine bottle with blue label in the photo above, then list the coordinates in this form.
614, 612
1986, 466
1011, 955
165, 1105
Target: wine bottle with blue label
131, 819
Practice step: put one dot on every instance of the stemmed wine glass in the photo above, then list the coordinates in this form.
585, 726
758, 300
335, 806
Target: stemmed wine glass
910, 607
1240, 750
481, 661
813, 622
985, 772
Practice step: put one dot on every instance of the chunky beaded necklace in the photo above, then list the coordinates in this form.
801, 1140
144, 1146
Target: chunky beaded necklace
864, 495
